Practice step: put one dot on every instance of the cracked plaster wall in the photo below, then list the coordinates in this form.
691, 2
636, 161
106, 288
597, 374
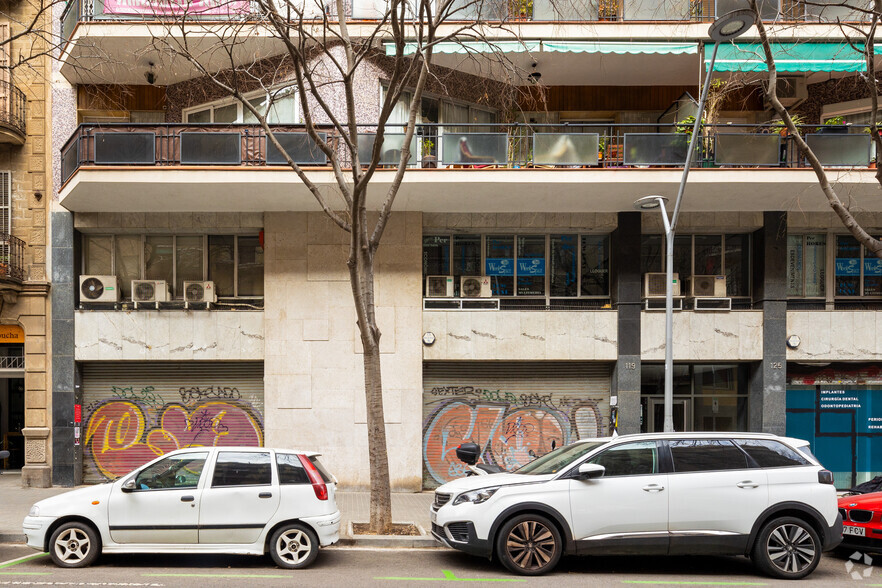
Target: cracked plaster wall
704, 336
837, 335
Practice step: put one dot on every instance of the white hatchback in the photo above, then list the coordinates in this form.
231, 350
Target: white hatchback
680, 494
241, 500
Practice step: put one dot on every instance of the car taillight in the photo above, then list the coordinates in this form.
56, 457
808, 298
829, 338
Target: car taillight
318, 485
825, 477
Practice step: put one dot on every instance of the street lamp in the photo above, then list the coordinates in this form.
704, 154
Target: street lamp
725, 28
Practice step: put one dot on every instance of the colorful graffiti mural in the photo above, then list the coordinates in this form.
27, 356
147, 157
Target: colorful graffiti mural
133, 428
512, 429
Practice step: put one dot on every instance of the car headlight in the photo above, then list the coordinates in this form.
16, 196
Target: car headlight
476, 496
34, 512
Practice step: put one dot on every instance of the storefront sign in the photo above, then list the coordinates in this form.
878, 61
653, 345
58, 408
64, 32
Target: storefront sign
848, 267
531, 267
500, 267
11, 334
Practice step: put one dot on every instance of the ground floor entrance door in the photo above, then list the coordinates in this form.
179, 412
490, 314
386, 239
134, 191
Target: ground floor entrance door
682, 414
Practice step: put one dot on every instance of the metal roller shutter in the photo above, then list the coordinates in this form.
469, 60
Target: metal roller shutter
513, 410
133, 412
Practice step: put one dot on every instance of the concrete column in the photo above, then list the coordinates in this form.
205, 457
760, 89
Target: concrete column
63, 449
625, 290
768, 383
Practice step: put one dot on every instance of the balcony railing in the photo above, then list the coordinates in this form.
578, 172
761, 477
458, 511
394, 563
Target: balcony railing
12, 262
468, 146
469, 10
12, 113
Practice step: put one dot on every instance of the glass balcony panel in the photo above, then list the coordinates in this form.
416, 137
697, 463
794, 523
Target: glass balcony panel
125, 148
211, 148
655, 10
840, 149
833, 11
474, 148
391, 151
471, 10
299, 146
564, 10
70, 160
656, 148
747, 149
565, 149
769, 9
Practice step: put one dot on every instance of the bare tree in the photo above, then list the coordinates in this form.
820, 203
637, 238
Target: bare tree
861, 37
317, 52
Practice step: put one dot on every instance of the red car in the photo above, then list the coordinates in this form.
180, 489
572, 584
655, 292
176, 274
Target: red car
862, 521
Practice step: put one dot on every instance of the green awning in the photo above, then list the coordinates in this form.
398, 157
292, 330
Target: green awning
789, 57
621, 48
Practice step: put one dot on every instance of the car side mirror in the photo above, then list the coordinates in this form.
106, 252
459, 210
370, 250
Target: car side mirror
589, 471
128, 485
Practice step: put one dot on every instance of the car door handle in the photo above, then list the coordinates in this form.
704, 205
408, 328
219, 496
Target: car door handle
653, 488
188, 498
747, 484
265, 495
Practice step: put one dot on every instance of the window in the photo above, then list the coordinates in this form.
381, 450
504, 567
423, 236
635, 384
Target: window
523, 265
179, 471
703, 255
806, 266
234, 263
556, 460
235, 468
629, 459
279, 106
290, 469
706, 455
857, 274
771, 454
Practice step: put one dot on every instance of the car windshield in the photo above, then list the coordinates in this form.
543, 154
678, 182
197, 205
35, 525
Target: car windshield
556, 460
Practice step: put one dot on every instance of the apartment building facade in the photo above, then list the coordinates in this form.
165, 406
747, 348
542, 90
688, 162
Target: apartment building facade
517, 286
25, 189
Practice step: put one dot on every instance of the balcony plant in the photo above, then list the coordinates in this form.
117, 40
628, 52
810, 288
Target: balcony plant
779, 127
429, 157
520, 9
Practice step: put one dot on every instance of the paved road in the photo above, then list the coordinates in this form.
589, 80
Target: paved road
354, 567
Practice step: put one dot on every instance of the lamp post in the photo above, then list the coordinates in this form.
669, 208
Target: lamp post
725, 28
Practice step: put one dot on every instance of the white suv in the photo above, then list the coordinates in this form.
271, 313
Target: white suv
679, 493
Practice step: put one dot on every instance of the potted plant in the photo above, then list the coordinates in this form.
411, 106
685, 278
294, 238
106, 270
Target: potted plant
835, 125
429, 159
601, 148
520, 9
779, 127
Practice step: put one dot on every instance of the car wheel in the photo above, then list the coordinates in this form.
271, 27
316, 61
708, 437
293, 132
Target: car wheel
529, 544
74, 545
294, 546
787, 548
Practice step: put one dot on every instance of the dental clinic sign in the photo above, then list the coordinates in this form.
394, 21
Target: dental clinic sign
172, 7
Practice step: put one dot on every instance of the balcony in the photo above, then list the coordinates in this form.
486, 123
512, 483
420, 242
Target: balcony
209, 167
12, 264
12, 114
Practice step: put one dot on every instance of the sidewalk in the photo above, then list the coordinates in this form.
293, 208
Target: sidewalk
354, 506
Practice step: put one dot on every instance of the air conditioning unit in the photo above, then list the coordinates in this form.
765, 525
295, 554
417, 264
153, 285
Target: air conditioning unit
439, 286
711, 286
791, 90
654, 284
199, 292
99, 289
475, 287
149, 291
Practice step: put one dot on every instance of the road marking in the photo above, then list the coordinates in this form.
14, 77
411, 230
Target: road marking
217, 575
19, 560
25, 573
451, 577
697, 583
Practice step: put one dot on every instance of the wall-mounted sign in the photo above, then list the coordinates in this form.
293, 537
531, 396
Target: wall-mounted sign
11, 334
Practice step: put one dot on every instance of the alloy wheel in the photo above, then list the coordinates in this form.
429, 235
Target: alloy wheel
531, 545
294, 546
72, 546
791, 548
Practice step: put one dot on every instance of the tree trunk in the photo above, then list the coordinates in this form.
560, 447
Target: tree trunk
381, 495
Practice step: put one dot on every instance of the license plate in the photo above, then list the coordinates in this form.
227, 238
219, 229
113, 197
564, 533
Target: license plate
859, 531
434, 516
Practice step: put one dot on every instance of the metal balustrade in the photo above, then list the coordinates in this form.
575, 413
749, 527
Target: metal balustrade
78, 11
11, 362
13, 106
12, 258
467, 146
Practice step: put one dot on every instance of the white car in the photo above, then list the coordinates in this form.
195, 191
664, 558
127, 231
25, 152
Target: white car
242, 500
680, 494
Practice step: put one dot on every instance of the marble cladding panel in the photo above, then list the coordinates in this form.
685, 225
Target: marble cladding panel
839, 335
169, 336
704, 336
516, 335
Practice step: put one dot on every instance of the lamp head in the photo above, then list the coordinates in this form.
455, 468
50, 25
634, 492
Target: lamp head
731, 25
650, 202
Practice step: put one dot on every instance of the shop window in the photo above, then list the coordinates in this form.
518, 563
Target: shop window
702, 255
806, 265
234, 263
857, 272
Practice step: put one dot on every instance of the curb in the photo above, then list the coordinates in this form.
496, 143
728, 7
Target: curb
12, 537
423, 540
